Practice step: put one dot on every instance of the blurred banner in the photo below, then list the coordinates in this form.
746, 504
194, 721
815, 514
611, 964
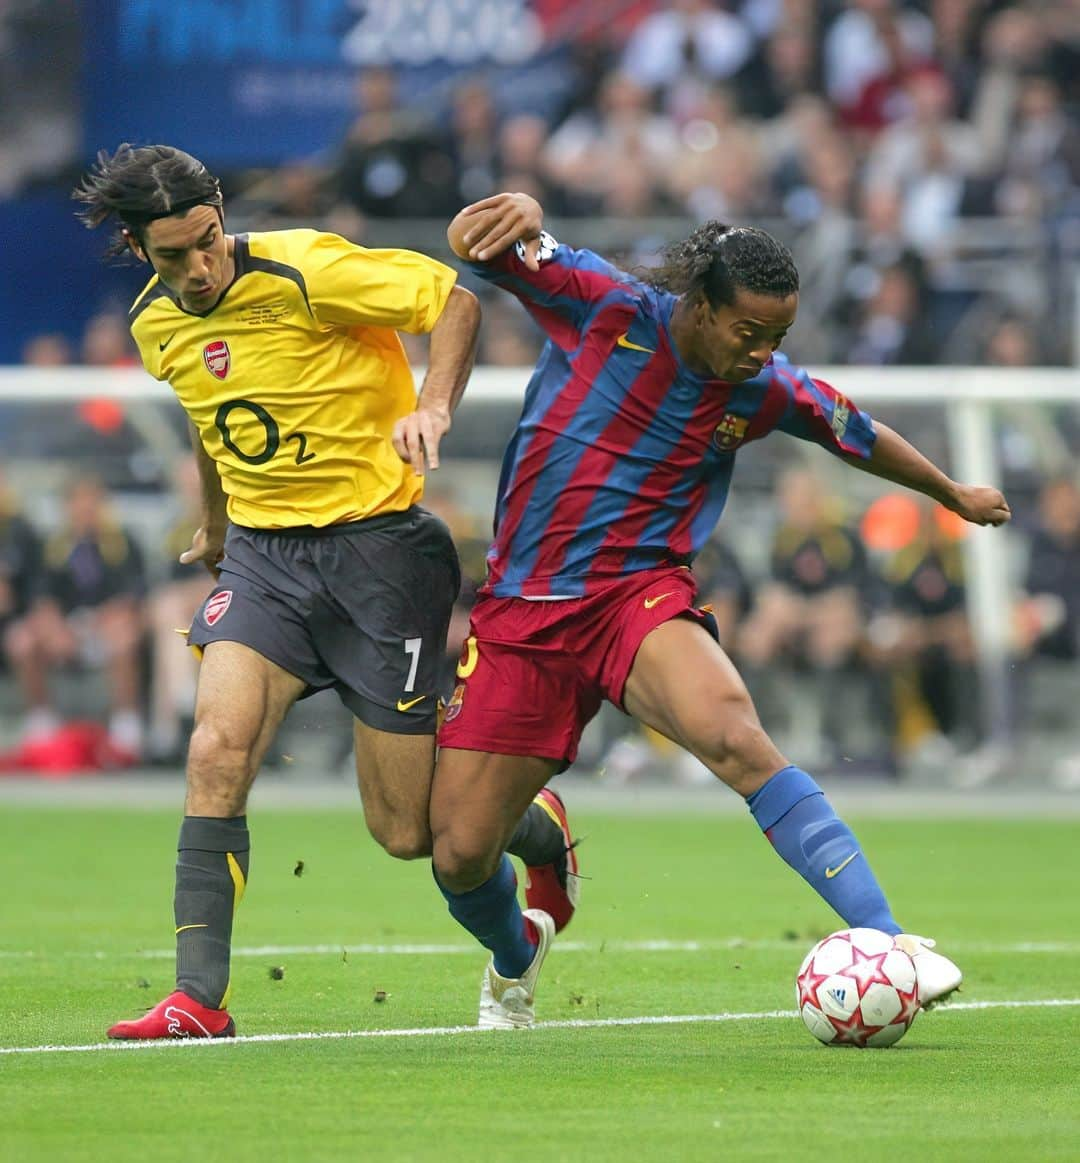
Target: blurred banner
259, 82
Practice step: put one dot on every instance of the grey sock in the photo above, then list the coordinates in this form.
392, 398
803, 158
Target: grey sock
537, 839
211, 872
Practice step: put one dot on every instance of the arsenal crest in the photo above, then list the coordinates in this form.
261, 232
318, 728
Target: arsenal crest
215, 607
216, 357
730, 432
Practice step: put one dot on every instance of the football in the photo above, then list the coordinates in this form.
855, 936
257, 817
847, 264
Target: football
857, 988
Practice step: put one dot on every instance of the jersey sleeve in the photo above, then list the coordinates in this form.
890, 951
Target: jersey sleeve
351, 286
817, 412
145, 327
564, 295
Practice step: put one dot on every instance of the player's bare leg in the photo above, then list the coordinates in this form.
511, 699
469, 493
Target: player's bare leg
394, 774
477, 801
241, 701
715, 720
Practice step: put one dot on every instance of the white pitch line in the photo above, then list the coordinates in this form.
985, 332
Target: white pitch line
442, 950
444, 1031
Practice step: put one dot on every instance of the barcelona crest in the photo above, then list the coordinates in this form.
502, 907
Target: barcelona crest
216, 357
215, 607
453, 707
730, 432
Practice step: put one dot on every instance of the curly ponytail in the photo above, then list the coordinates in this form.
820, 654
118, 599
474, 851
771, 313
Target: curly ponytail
718, 259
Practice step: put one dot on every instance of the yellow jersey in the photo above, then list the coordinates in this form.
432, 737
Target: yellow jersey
294, 379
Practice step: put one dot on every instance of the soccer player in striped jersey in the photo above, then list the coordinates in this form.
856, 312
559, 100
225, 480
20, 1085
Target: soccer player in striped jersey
312, 443
615, 476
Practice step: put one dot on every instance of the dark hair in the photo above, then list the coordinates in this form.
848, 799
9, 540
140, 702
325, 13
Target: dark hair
718, 259
139, 184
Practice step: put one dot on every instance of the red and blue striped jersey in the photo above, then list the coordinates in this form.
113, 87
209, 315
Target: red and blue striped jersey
622, 457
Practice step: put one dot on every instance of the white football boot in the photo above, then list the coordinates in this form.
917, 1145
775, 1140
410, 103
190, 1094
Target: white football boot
506, 1003
936, 976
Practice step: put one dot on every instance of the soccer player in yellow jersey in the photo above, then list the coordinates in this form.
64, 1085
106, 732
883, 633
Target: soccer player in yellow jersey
312, 443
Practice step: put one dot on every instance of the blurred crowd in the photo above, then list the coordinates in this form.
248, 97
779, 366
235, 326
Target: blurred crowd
922, 159
851, 631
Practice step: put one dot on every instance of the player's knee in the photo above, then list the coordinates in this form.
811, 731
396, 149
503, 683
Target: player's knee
213, 753
400, 841
463, 863
739, 750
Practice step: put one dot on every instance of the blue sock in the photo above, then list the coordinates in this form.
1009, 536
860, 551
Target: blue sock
492, 914
801, 825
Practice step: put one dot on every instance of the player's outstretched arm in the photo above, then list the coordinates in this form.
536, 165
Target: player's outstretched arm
894, 459
454, 337
486, 228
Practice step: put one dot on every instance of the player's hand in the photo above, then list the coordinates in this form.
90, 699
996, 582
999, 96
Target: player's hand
493, 224
980, 505
207, 546
416, 436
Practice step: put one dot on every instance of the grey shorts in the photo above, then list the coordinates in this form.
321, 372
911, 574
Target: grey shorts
362, 609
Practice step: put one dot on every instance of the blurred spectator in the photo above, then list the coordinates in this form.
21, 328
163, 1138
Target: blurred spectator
1046, 628
927, 156
684, 47
783, 70
1039, 439
810, 611
720, 172
1048, 617
882, 235
509, 338
956, 29
923, 636
587, 151
521, 142
172, 605
890, 327
1042, 160
107, 342
392, 163
1012, 343
20, 568
474, 141
93, 430
89, 609
48, 350
300, 191
868, 51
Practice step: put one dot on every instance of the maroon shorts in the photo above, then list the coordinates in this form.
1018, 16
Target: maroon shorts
533, 673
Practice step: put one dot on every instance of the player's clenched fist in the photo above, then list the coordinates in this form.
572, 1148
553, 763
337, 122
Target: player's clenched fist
980, 504
486, 228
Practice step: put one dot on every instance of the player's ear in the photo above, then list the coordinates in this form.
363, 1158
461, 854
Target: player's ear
133, 242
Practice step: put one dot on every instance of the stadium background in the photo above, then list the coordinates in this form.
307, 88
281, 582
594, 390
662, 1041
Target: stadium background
921, 159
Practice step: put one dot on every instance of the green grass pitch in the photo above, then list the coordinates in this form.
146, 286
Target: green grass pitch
86, 936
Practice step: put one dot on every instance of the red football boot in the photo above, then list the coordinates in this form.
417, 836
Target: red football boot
554, 888
178, 1016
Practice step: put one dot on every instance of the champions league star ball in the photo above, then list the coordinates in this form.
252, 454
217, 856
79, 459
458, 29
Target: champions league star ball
856, 988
